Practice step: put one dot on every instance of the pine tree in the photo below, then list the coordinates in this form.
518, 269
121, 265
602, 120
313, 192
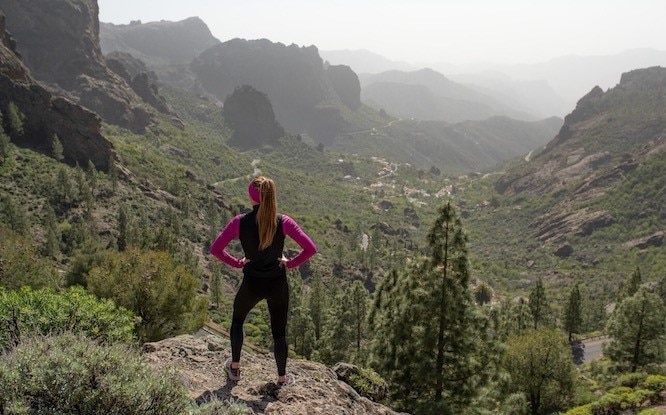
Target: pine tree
302, 331
53, 235
216, 283
638, 331
539, 305
56, 148
14, 215
338, 331
16, 120
572, 313
64, 184
317, 304
358, 299
436, 351
4, 142
634, 282
123, 228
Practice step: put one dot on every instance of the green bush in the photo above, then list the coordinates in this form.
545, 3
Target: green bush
27, 312
649, 412
71, 374
655, 383
161, 293
630, 380
20, 263
580, 410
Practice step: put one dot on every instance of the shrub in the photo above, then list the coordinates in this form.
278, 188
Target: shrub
28, 312
580, 410
71, 374
630, 380
161, 293
20, 263
655, 383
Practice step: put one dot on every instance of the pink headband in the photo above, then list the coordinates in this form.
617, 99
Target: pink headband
253, 192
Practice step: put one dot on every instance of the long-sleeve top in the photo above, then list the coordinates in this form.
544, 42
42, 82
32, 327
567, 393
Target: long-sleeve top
289, 228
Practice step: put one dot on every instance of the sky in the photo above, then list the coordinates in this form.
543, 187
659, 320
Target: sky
452, 31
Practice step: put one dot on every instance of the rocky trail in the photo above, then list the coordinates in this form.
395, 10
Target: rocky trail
199, 360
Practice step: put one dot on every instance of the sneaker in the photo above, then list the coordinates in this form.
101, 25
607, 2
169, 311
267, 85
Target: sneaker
232, 374
291, 379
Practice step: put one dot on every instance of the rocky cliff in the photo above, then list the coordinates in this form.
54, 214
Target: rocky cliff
59, 42
604, 132
610, 139
158, 43
293, 77
45, 114
200, 363
346, 85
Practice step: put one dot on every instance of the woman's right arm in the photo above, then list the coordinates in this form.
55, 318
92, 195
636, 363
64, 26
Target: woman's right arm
223, 239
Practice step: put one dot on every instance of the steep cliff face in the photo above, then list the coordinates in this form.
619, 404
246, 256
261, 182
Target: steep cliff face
59, 41
45, 114
293, 77
346, 84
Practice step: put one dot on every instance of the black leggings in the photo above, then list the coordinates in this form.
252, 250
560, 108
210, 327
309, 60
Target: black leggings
276, 293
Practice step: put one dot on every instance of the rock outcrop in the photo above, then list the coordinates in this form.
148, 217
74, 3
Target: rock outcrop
142, 80
293, 77
200, 363
47, 115
158, 43
346, 84
59, 42
250, 114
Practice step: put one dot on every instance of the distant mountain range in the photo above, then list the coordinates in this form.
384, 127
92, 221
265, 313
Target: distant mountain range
547, 88
428, 95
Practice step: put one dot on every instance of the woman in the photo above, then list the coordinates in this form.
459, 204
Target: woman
261, 233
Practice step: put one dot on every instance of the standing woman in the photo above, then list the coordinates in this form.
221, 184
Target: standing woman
261, 233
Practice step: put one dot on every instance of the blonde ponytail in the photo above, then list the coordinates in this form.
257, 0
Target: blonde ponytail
267, 214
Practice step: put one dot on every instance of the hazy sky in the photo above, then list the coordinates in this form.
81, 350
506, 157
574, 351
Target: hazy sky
460, 31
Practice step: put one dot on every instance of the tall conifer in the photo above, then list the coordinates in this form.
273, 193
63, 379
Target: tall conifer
436, 350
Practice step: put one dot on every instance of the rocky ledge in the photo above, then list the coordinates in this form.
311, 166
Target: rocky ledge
200, 362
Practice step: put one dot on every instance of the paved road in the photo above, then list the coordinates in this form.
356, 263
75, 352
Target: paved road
593, 349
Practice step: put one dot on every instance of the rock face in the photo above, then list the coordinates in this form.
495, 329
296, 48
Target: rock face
293, 78
45, 114
597, 135
158, 43
140, 78
250, 114
59, 41
200, 362
346, 84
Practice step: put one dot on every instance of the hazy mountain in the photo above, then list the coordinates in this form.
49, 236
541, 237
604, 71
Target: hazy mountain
59, 43
611, 146
535, 96
158, 43
429, 95
294, 78
46, 114
364, 61
570, 76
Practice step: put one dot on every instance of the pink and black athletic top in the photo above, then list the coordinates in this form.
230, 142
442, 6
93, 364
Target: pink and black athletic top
263, 263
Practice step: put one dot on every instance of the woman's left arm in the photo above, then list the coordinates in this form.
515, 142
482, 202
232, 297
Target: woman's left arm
308, 248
